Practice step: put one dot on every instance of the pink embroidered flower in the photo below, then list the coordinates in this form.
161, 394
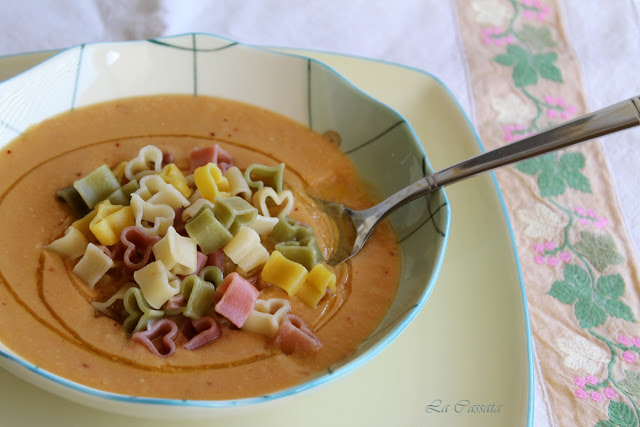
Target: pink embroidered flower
539, 259
580, 381
628, 356
552, 114
635, 341
581, 393
624, 340
583, 221
601, 222
579, 210
565, 256
592, 380
591, 213
609, 392
528, 14
549, 245
552, 261
595, 396
538, 248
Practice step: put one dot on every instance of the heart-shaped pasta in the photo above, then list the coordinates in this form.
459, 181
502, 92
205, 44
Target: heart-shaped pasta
283, 198
148, 161
266, 316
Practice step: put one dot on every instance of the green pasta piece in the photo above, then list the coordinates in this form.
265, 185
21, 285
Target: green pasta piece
97, 186
211, 274
207, 231
234, 212
270, 176
122, 196
72, 198
288, 229
296, 252
140, 312
199, 296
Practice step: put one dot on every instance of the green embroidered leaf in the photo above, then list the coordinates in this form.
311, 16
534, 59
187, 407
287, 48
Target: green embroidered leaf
621, 414
556, 173
530, 166
505, 59
564, 292
606, 423
550, 183
543, 63
631, 384
524, 74
577, 276
575, 161
537, 37
588, 313
599, 250
576, 180
619, 309
519, 53
611, 286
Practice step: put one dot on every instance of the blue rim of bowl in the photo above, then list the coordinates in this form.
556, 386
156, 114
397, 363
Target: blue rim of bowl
375, 349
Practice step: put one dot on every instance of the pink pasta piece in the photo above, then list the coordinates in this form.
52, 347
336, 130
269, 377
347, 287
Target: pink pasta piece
167, 157
159, 339
212, 154
176, 303
200, 263
238, 299
216, 259
179, 224
199, 332
294, 336
138, 246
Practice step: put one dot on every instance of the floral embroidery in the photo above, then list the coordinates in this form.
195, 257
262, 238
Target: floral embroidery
492, 12
512, 109
582, 354
542, 222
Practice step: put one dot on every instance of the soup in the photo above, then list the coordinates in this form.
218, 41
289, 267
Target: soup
48, 314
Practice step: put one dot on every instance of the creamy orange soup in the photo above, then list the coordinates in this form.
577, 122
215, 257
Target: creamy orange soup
46, 314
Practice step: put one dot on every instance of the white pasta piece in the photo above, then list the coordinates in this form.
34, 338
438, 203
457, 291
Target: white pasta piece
102, 307
148, 161
245, 249
263, 225
260, 201
266, 316
93, 265
155, 190
161, 216
237, 184
193, 209
71, 246
156, 283
178, 254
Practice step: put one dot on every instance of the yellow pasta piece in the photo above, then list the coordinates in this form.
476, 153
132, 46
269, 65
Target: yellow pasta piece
93, 265
109, 222
283, 198
237, 183
156, 283
172, 175
148, 161
284, 273
155, 190
245, 249
315, 287
266, 316
118, 171
160, 216
210, 182
71, 246
194, 208
178, 254
83, 223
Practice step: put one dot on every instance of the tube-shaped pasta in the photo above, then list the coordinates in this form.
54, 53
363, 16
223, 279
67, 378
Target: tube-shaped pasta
207, 231
96, 186
282, 198
257, 176
199, 296
266, 316
172, 175
178, 254
234, 212
237, 184
148, 161
109, 222
140, 312
210, 182
161, 216
71, 246
246, 250
315, 287
73, 199
284, 273
93, 265
156, 283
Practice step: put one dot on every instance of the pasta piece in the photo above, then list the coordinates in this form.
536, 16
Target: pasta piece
159, 339
284, 273
295, 337
315, 287
234, 212
140, 313
161, 216
156, 283
178, 254
93, 265
245, 250
211, 274
122, 196
103, 307
72, 198
82, 225
270, 176
199, 296
212, 154
138, 247
173, 176
118, 171
154, 190
71, 246
283, 197
109, 222
194, 207
263, 225
216, 258
237, 184
305, 252
200, 332
96, 186
238, 299
210, 182
266, 316
207, 231
148, 161
288, 229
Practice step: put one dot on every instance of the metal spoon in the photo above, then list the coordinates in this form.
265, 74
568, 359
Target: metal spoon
355, 227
